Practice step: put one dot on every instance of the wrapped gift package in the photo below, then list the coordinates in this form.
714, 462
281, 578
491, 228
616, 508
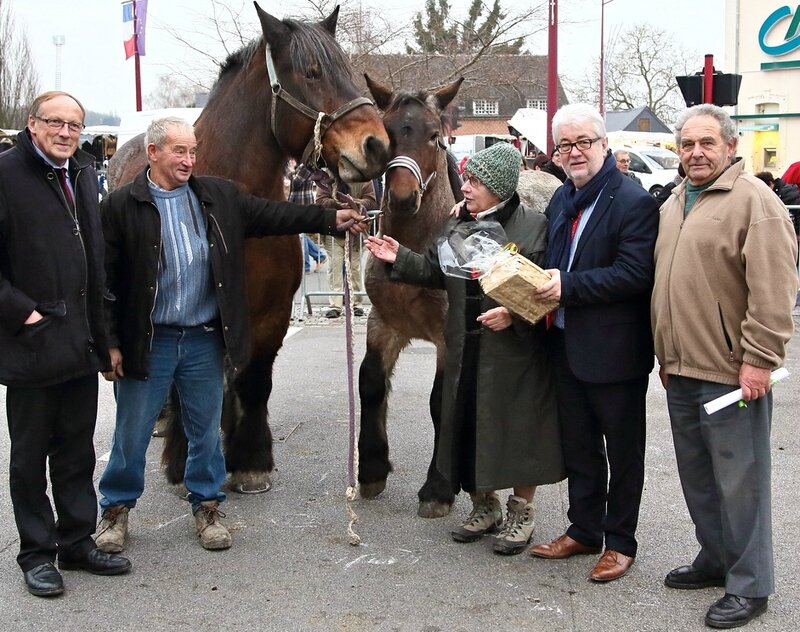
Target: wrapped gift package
511, 281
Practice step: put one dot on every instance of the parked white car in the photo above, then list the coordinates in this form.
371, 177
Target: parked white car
656, 167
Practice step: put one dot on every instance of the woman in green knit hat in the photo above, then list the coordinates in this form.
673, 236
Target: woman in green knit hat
499, 425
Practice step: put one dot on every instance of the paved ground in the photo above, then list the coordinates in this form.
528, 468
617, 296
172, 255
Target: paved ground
291, 567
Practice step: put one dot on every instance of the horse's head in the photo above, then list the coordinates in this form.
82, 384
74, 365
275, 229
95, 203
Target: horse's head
317, 111
413, 122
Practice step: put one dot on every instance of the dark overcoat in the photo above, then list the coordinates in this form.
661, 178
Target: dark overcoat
51, 260
517, 440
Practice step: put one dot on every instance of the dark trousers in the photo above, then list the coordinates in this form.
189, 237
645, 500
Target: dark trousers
602, 428
56, 423
725, 468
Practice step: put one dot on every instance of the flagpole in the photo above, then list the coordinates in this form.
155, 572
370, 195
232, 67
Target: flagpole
137, 68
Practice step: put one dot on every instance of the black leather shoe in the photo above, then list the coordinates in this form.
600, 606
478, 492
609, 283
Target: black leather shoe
44, 581
690, 578
97, 562
733, 611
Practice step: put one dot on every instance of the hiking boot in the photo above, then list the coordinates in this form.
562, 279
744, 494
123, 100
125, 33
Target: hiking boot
212, 533
518, 527
485, 517
113, 529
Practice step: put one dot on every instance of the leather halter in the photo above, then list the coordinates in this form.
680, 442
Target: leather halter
407, 162
313, 151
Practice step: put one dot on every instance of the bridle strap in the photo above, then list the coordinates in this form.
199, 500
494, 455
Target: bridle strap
323, 121
407, 162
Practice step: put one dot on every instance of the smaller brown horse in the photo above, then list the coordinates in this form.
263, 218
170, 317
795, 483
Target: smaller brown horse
422, 185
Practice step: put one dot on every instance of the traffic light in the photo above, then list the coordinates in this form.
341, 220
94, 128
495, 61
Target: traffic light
725, 88
691, 88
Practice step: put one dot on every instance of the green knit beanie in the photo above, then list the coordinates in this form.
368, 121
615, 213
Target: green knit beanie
497, 167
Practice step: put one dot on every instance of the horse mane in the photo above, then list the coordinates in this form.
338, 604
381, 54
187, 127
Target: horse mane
310, 46
454, 177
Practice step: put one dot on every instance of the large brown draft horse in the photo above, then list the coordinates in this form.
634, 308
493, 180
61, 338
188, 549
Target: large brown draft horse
280, 96
422, 185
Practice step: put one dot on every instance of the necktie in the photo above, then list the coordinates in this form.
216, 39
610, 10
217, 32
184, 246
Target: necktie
574, 227
62, 179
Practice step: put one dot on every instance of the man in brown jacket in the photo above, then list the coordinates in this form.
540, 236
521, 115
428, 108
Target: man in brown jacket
725, 284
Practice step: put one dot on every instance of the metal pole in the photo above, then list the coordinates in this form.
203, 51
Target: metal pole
708, 80
137, 68
552, 71
603, 4
602, 59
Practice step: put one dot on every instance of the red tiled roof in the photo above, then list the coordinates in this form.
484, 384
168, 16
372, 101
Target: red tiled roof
481, 126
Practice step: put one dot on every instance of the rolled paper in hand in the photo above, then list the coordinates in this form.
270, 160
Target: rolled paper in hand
726, 400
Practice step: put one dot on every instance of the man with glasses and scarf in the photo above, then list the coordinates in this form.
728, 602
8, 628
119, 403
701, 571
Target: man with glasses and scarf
600, 254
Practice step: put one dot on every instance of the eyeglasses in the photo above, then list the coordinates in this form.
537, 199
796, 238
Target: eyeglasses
583, 144
473, 181
55, 123
623, 161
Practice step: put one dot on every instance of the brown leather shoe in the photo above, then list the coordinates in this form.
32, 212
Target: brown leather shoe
562, 547
611, 565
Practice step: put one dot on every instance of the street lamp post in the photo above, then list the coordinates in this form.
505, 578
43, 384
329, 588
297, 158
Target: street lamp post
58, 42
603, 4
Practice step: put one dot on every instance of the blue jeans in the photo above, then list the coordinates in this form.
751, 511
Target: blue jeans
311, 251
192, 358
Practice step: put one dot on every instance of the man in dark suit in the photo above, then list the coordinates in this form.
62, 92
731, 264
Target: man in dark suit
600, 254
52, 341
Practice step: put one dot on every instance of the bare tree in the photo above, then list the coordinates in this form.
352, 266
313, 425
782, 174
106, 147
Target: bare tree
641, 65
19, 81
172, 92
210, 42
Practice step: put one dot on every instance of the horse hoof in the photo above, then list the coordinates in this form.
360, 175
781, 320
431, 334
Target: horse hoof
433, 509
370, 490
250, 482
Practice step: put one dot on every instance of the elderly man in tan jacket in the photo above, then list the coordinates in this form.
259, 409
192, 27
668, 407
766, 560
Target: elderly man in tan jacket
725, 284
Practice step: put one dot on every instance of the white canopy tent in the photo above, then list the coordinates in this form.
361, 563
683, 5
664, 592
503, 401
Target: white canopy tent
532, 124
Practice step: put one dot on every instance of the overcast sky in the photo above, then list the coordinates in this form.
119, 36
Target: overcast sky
93, 64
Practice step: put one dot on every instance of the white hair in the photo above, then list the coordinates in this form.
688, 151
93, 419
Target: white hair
158, 129
576, 113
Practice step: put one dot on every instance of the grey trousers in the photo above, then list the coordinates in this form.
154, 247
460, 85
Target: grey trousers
724, 465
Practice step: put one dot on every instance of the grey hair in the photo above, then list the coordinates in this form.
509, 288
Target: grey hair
726, 125
621, 151
158, 129
575, 113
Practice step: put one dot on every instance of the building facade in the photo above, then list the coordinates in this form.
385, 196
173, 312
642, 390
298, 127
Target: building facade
762, 43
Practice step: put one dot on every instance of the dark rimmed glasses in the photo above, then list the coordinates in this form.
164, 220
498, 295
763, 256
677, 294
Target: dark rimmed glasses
583, 144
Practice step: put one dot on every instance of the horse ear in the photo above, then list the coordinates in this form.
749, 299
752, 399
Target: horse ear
272, 28
381, 93
329, 23
444, 95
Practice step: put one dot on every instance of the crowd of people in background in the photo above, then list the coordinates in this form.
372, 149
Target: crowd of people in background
524, 404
